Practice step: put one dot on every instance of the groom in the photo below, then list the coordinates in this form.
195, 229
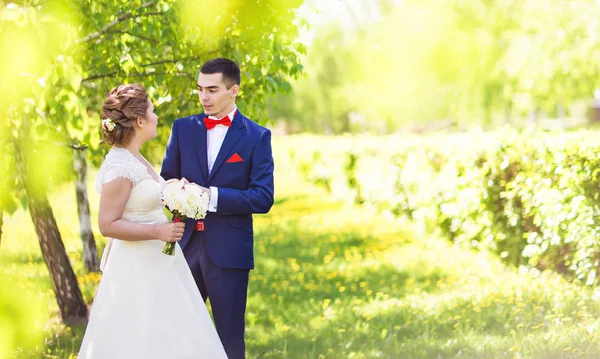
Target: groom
229, 155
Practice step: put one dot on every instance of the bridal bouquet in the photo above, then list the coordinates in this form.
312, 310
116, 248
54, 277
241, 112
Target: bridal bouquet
184, 200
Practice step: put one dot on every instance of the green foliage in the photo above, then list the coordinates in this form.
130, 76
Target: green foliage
446, 63
531, 197
19, 312
30, 39
164, 43
64, 56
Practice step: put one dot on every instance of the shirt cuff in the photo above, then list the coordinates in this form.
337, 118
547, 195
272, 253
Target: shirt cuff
214, 199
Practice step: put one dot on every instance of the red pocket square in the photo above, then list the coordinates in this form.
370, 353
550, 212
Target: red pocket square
235, 158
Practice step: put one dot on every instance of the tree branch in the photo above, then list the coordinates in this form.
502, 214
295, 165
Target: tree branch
152, 13
78, 147
137, 74
160, 62
117, 21
132, 34
96, 77
146, 74
174, 61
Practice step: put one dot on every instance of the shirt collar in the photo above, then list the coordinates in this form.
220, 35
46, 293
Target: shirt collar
229, 114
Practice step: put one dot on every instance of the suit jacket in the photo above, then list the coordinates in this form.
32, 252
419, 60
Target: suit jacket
243, 174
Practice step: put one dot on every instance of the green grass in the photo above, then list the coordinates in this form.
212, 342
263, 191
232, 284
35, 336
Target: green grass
339, 281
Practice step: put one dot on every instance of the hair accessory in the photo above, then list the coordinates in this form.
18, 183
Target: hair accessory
108, 125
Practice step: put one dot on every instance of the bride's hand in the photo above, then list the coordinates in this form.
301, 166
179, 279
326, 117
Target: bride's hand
171, 231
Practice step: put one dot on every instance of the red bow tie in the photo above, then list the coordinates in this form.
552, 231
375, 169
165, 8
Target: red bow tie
210, 123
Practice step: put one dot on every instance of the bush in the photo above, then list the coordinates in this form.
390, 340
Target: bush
530, 196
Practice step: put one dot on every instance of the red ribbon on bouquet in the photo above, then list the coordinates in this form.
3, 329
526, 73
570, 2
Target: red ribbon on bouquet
198, 227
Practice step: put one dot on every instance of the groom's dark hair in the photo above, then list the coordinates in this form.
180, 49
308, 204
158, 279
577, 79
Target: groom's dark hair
229, 69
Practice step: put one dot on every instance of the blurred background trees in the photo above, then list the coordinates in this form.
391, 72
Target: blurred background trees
381, 66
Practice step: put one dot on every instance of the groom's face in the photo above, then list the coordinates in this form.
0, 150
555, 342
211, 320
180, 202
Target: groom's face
215, 98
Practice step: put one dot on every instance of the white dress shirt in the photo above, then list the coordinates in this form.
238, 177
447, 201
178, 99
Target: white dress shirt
214, 140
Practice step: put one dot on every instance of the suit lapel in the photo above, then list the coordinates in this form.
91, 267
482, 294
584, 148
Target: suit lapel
201, 145
234, 133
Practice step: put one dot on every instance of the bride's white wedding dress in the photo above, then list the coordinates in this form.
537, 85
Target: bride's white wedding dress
147, 305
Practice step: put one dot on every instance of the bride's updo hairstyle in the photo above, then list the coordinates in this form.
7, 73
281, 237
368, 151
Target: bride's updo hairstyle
120, 110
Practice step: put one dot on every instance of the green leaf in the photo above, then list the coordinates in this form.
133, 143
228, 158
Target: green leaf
41, 129
24, 201
271, 84
238, 56
10, 204
286, 87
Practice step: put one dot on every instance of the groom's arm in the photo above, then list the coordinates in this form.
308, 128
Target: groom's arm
170, 166
258, 198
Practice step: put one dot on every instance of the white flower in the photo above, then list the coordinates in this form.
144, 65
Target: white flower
108, 124
188, 199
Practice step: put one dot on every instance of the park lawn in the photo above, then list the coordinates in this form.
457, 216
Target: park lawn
335, 280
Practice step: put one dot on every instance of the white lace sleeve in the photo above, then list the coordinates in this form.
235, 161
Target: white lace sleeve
117, 171
112, 172
120, 163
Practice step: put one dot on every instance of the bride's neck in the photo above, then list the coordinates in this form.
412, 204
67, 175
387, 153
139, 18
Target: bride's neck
133, 146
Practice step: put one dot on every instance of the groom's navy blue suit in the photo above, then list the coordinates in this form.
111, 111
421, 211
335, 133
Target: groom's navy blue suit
221, 256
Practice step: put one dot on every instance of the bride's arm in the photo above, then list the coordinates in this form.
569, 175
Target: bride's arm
113, 199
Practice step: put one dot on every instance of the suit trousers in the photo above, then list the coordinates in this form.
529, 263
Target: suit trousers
227, 291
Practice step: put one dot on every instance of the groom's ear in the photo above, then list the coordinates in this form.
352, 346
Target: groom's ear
234, 90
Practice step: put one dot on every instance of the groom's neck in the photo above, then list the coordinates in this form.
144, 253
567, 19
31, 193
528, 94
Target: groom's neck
226, 111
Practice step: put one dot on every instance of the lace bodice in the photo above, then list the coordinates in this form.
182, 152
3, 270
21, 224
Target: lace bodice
144, 204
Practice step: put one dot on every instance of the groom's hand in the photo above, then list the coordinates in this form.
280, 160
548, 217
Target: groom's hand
205, 190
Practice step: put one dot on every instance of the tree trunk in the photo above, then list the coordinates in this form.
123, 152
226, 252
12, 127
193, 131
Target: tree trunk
533, 116
64, 282
507, 113
562, 115
68, 295
90, 253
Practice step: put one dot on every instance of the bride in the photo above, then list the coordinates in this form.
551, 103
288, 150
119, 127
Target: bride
147, 304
